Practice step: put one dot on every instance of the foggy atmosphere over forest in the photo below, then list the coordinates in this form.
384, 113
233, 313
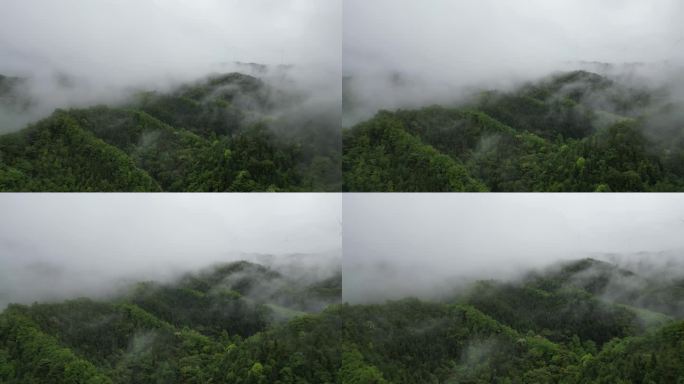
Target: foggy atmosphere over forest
206, 96
76, 53
513, 96
57, 247
341, 191
427, 245
448, 51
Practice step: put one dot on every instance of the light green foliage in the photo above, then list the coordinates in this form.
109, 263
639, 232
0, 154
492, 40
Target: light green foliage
355, 371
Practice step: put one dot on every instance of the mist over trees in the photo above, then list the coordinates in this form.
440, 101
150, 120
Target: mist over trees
552, 326
570, 96
512, 288
440, 54
214, 97
226, 324
229, 132
574, 131
170, 288
341, 96
93, 245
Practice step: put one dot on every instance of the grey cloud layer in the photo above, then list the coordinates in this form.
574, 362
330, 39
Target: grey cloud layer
55, 246
420, 244
443, 47
80, 52
131, 38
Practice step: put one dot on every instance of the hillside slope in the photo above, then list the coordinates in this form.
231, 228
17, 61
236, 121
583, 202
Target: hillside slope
245, 323
574, 131
229, 132
214, 326
544, 328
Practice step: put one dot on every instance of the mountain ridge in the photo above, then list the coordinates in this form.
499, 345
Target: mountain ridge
227, 132
576, 131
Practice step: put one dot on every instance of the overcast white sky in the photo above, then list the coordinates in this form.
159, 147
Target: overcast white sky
447, 35
60, 245
441, 46
413, 244
142, 38
107, 49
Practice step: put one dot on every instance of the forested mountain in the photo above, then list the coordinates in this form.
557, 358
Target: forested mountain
230, 132
235, 323
245, 323
575, 131
557, 326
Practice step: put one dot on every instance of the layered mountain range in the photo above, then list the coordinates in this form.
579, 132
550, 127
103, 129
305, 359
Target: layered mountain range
572, 131
585, 321
227, 132
233, 323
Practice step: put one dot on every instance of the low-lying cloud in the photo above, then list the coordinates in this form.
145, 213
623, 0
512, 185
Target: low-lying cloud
61, 246
425, 245
407, 54
77, 53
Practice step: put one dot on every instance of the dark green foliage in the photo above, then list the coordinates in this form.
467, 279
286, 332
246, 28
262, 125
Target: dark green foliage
172, 333
410, 341
35, 357
550, 327
654, 358
557, 314
216, 135
265, 285
573, 132
655, 293
305, 350
544, 118
208, 313
545, 328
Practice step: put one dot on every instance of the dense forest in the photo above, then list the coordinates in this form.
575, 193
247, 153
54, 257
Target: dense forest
235, 323
581, 322
230, 132
585, 321
575, 131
